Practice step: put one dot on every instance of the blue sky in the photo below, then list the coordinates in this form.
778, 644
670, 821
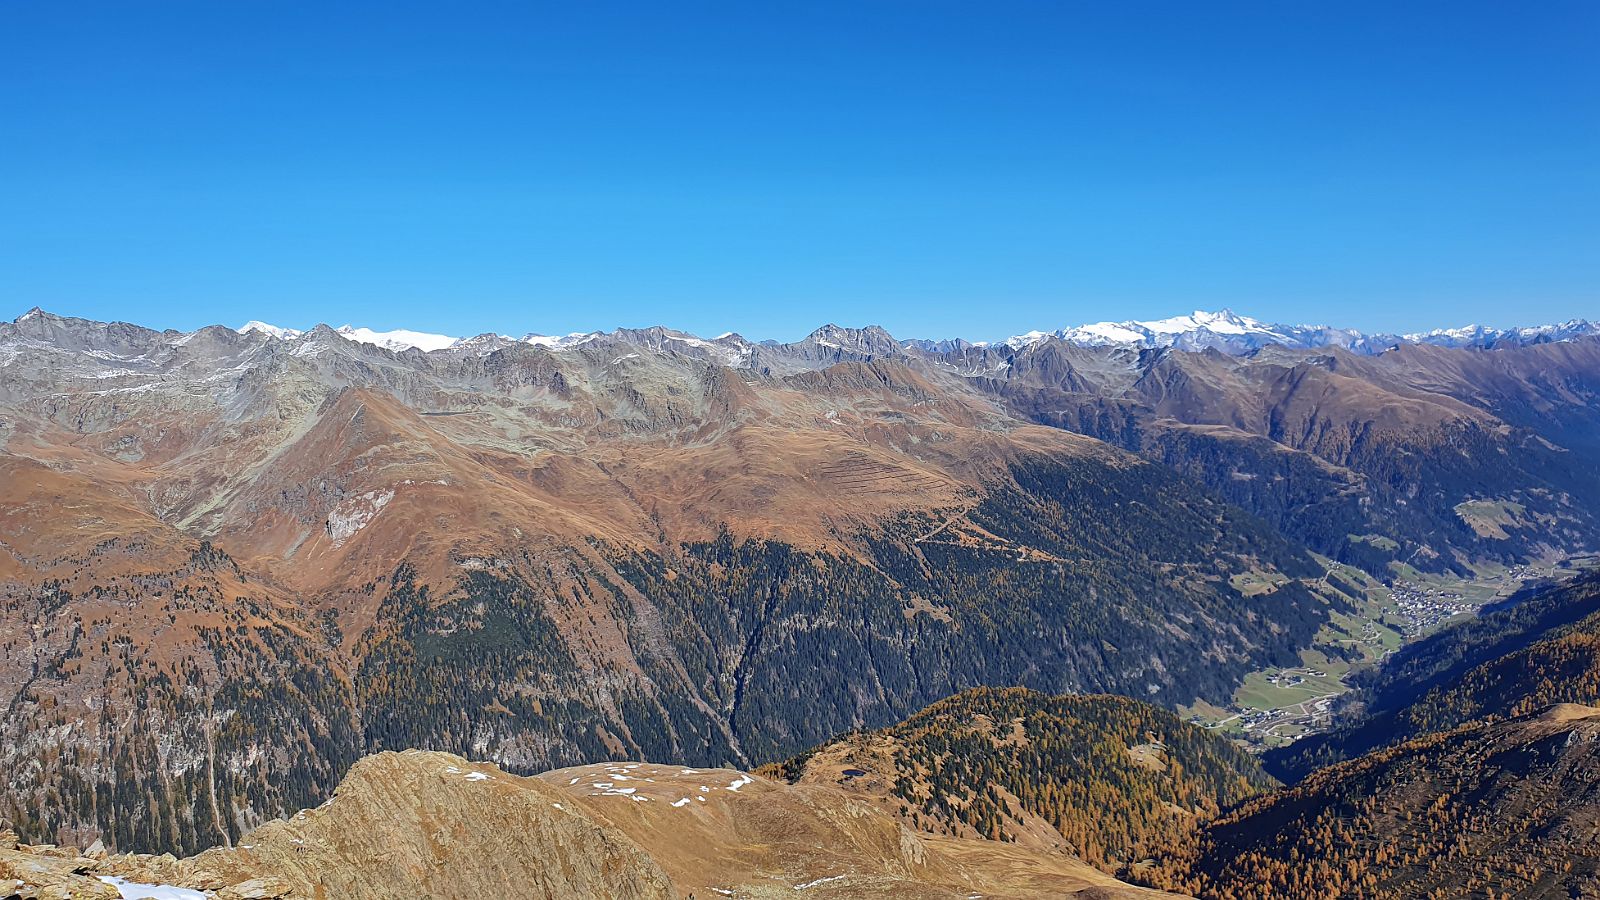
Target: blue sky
941, 168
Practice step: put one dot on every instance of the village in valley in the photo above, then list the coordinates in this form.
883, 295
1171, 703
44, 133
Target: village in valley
1277, 706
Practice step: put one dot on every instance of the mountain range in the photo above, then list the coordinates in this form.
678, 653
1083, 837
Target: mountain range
1229, 332
233, 562
1223, 330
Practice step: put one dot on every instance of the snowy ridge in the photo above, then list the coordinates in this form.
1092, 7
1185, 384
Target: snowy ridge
1221, 330
559, 343
282, 334
1483, 335
1229, 332
399, 339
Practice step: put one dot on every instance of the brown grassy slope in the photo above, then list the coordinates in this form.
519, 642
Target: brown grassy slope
413, 824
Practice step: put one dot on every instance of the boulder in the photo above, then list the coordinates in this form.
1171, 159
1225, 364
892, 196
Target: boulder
255, 889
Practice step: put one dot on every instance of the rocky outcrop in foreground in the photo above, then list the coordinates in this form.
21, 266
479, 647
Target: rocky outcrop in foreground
424, 824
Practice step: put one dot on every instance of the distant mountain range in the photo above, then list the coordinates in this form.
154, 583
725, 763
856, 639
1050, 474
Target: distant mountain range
1229, 332
1223, 330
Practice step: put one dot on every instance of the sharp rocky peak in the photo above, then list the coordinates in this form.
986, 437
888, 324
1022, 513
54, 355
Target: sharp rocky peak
871, 339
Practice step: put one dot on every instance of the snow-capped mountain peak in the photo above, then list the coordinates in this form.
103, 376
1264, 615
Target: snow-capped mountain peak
1197, 330
558, 343
282, 334
1464, 333
1230, 332
399, 339
1222, 330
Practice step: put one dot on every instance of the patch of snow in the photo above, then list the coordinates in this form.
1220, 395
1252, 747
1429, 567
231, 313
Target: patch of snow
812, 884
356, 513
559, 343
134, 890
476, 776
740, 782
733, 357
678, 803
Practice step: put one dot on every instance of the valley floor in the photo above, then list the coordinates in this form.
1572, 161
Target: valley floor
1277, 706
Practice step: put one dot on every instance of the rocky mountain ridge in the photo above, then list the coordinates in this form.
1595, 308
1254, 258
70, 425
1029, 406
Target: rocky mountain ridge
1324, 443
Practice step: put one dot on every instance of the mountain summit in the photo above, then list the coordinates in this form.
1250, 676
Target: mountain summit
1199, 330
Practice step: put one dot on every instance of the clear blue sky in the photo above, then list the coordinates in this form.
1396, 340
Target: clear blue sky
940, 168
